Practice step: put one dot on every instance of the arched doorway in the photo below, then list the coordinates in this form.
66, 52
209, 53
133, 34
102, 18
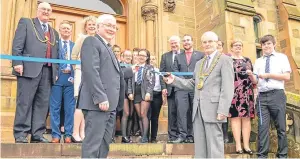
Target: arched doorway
75, 10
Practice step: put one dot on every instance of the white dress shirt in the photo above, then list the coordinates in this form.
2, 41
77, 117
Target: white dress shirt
174, 54
212, 55
42, 25
279, 64
157, 86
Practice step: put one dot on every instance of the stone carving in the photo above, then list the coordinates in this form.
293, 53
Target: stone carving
169, 5
149, 11
289, 122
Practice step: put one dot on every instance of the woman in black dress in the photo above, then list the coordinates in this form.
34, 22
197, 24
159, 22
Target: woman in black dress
242, 105
140, 90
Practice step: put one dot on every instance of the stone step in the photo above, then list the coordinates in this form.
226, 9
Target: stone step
158, 150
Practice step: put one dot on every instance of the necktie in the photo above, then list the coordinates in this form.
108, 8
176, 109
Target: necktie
65, 53
109, 45
267, 68
188, 57
207, 63
44, 27
139, 76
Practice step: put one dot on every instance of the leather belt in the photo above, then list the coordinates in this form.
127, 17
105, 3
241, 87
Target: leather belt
66, 71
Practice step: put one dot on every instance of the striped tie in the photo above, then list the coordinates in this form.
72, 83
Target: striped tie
139, 76
44, 28
267, 68
65, 53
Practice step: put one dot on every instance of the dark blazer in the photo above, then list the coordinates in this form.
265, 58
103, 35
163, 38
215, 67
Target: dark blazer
166, 65
26, 44
180, 62
148, 82
61, 55
102, 77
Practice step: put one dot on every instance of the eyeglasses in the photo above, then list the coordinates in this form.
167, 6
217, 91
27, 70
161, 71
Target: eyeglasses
237, 45
143, 55
114, 27
46, 9
208, 42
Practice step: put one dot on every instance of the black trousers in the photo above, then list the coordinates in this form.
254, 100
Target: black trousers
172, 117
184, 101
32, 104
154, 113
271, 104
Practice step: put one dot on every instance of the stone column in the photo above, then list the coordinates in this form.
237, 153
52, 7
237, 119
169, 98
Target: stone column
149, 12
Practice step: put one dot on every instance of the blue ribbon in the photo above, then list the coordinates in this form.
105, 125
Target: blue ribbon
73, 62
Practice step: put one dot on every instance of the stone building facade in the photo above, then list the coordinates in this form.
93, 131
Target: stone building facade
150, 23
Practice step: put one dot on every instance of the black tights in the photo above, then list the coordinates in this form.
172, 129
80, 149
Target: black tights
126, 121
142, 111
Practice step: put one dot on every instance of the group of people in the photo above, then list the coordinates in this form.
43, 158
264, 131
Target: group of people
110, 82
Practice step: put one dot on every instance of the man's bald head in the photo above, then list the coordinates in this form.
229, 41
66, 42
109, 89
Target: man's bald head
209, 42
44, 11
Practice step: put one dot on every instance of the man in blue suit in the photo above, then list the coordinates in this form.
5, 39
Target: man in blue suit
63, 88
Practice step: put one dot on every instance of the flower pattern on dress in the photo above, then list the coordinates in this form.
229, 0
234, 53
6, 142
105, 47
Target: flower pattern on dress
242, 104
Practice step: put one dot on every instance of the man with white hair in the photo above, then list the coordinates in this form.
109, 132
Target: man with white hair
34, 38
102, 81
166, 65
213, 84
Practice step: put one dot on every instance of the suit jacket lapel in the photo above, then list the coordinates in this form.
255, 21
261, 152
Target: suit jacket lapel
112, 55
39, 29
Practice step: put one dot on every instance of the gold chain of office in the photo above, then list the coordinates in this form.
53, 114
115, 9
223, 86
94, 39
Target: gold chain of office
201, 75
43, 41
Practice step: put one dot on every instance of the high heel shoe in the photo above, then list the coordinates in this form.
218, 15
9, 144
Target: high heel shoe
74, 140
239, 152
248, 151
126, 140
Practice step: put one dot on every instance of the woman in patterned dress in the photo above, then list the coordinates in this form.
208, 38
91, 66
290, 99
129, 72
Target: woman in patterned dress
242, 106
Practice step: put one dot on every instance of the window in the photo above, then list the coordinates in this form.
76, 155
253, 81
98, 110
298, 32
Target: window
105, 6
258, 52
256, 21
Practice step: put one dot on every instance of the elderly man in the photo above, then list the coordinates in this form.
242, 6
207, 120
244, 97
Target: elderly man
166, 65
102, 81
34, 38
213, 83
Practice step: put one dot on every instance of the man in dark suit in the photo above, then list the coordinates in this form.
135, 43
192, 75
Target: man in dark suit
102, 88
185, 62
166, 65
34, 38
63, 88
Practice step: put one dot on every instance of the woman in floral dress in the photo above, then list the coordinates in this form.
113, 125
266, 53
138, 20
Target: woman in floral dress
242, 106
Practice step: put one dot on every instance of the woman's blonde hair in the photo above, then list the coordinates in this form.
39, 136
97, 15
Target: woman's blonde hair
84, 22
236, 41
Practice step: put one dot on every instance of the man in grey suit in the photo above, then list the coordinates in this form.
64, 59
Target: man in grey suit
166, 65
34, 38
102, 88
213, 84
185, 62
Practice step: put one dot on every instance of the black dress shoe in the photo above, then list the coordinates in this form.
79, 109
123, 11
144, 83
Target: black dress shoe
126, 140
74, 140
21, 140
39, 140
189, 140
178, 140
239, 152
248, 152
